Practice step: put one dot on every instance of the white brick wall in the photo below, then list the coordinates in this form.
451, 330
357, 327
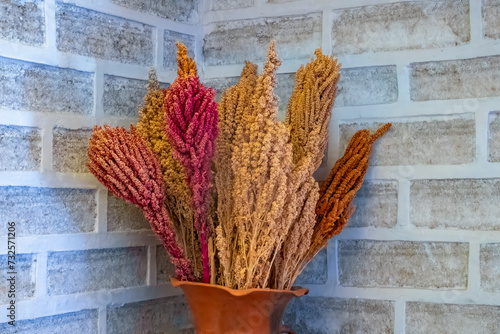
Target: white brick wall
87, 262
422, 253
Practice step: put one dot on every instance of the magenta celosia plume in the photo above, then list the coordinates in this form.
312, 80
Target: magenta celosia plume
192, 127
121, 161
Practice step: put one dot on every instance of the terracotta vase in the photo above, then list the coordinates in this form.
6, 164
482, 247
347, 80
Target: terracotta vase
220, 310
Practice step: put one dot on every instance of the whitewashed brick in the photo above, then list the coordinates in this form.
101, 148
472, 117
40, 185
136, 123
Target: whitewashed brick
466, 204
431, 318
23, 21
170, 49
123, 216
93, 34
122, 97
283, 91
220, 85
406, 264
20, 148
25, 280
166, 315
323, 315
494, 138
316, 271
70, 150
175, 10
233, 42
491, 13
455, 79
164, 267
75, 322
401, 26
90, 270
367, 85
47, 210
376, 205
231, 4
490, 267
36, 87
433, 140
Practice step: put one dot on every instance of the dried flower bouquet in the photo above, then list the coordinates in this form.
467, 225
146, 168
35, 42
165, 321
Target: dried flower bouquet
227, 187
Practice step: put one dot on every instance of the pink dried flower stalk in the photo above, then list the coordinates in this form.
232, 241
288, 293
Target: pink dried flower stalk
192, 127
122, 162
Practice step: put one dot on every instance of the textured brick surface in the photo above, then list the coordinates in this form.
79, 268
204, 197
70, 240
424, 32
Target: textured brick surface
437, 140
164, 267
440, 204
20, 148
75, 322
376, 205
231, 4
316, 271
491, 13
321, 315
455, 79
284, 91
47, 210
123, 96
405, 264
367, 85
220, 84
123, 216
35, 87
166, 315
70, 150
430, 318
23, 21
96, 269
176, 10
494, 138
234, 42
401, 26
170, 49
25, 277
490, 267
94, 34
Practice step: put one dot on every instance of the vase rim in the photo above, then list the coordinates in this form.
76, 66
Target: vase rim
296, 291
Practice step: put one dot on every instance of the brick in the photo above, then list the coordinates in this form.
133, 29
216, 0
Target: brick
455, 79
494, 138
123, 96
401, 26
176, 10
316, 271
165, 315
25, 267
376, 205
23, 21
84, 321
378, 84
432, 318
47, 210
283, 91
324, 315
93, 34
280, 1
170, 49
123, 216
433, 140
20, 148
231, 4
164, 267
69, 150
406, 264
233, 42
90, 270
440, 204
491, 12
220, 85
490, 267
36, 87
